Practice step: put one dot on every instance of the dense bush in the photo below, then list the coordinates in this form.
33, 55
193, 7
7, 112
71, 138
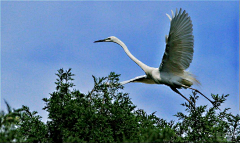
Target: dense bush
106, 114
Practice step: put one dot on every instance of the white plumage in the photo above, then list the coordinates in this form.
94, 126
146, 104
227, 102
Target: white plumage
176, 59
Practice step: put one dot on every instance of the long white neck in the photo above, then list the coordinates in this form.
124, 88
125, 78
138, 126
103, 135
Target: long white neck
144, 67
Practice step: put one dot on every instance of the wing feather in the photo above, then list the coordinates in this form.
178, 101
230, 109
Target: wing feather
142, 79
179, 44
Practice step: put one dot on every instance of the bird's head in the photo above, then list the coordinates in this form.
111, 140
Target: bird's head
109, 39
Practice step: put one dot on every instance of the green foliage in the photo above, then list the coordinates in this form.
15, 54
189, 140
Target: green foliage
102, 115
106, 114
30, 127
234, 128
8, 122
202, 124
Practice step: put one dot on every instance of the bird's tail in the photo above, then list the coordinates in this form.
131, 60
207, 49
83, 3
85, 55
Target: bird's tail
189, 79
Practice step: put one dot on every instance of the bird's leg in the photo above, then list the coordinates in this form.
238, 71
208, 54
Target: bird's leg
201, 94
175, 90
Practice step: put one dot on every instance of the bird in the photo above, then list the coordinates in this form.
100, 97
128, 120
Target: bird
176, 59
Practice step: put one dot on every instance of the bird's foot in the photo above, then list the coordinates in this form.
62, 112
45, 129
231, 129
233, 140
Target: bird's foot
215, 105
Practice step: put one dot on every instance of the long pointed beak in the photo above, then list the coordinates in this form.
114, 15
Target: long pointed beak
99, 41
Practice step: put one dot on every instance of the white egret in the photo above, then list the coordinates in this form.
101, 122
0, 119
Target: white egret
176, 59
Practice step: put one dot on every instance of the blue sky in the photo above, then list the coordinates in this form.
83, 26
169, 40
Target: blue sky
38, 38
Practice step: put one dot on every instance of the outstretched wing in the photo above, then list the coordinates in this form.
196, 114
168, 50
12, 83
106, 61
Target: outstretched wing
179, 44
142, 79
